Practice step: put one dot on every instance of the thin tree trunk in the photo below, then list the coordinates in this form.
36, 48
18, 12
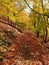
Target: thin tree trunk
37, 33
46, 34
34, 24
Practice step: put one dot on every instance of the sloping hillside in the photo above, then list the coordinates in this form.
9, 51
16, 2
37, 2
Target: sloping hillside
21, 46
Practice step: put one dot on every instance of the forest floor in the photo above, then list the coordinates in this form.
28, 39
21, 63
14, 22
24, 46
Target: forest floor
24, 48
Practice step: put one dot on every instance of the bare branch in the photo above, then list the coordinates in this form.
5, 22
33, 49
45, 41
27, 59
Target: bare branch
34, 10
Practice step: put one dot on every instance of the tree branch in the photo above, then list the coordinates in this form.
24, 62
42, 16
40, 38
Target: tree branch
34, 10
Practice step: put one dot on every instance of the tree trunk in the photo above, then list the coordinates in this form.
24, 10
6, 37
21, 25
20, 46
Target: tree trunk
34, 24
37, 33
46, 34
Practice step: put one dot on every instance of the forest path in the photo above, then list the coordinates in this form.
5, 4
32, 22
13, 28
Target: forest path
15, 35
18, 40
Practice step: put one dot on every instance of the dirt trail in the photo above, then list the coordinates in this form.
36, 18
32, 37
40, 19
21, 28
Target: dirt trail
19, 40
